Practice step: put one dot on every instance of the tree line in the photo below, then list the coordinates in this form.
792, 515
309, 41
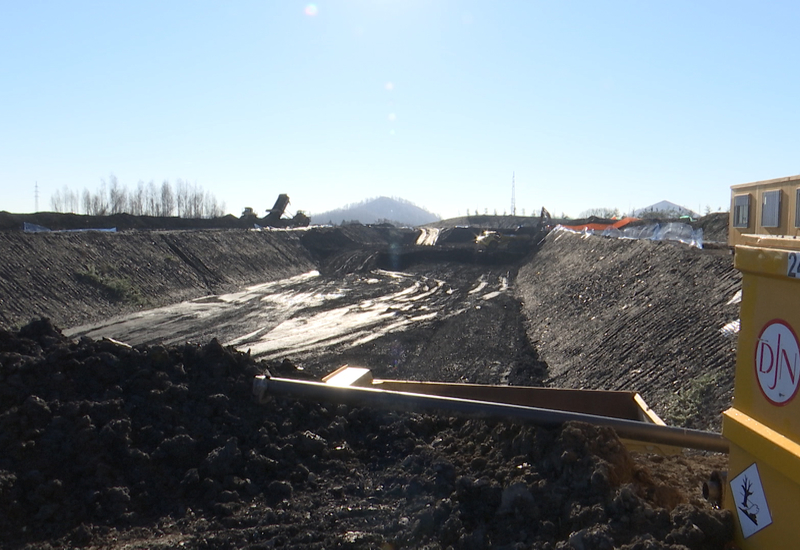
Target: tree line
186, 200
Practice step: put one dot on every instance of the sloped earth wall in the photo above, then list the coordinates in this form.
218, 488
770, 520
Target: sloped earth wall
636, 315
74, 278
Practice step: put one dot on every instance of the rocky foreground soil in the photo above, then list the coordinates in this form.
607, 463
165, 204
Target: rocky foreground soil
110, 446
103, 445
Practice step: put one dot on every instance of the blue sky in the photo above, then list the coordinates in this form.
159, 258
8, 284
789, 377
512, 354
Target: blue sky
589, 104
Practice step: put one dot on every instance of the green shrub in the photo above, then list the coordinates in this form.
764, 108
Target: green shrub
686, 406
118, 289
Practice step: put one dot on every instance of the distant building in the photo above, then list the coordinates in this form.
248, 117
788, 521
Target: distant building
770, 207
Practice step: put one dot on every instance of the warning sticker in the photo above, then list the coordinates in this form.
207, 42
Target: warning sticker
751, 503
777, 362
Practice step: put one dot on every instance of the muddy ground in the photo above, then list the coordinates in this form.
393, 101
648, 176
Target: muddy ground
106, 445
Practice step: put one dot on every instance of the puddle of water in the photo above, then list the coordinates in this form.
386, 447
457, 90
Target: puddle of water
479, 288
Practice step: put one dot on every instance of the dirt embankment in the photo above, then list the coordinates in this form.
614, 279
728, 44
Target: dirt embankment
75, 278
57, 221
714, 225
636, 315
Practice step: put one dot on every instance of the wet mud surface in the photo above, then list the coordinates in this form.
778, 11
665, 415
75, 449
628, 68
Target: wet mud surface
458, 323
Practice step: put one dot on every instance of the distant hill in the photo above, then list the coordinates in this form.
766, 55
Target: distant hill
382, 209
665, 207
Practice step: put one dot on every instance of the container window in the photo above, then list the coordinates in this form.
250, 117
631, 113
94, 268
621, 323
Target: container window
797, 208
771, 209
741, 210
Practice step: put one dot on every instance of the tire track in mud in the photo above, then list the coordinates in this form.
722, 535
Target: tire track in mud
309, 316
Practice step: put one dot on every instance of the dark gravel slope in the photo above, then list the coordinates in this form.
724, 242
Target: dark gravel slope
635, 315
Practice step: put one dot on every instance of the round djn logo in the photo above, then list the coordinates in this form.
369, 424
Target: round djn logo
777, 362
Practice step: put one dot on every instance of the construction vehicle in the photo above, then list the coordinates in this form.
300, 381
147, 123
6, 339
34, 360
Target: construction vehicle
275, 213
274, 217
490, 240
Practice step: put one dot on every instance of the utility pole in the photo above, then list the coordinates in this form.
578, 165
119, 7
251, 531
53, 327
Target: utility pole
513, 199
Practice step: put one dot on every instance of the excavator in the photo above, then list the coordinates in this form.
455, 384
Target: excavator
274, 217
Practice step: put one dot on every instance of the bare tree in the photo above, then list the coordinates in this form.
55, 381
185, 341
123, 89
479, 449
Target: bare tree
181, 197
190, 201
209, 205
606, 213
195, 209
212, 208
64, 200
74, 202
117, 196
199, 201
167, 199
87, 202
136, 200
56, 201
153, 199
100, 202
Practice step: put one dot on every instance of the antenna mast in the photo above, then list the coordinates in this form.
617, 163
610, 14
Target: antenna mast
36, 197
513, 200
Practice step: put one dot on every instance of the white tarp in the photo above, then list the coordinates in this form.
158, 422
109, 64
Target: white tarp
33, 228
681, 232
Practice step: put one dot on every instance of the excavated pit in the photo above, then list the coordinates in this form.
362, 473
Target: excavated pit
107, 445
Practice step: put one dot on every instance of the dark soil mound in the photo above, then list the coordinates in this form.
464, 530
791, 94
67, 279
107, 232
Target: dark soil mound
107, 445
714, 226
354, 248
56, 221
